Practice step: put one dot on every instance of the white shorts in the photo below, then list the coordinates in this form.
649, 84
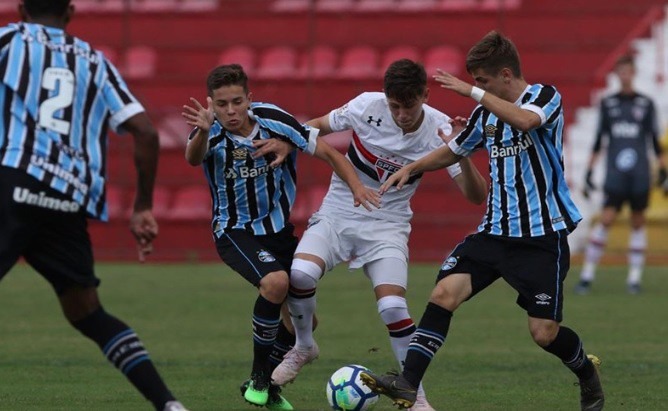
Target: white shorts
336, 236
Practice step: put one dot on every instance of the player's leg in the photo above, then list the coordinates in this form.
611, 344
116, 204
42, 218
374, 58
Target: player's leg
389, 279
464, 273
319, 250
62, 254
598, 239
637, 241
536, 268
246, 255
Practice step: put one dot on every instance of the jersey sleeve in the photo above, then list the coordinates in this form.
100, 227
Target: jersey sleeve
286, 127
471, 138
120, 101
603, 127
546, 103
345, 117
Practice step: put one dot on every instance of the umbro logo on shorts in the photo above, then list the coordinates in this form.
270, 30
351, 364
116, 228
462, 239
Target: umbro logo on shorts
23, 195
543, 299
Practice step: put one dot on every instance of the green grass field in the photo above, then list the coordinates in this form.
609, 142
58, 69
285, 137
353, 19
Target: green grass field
194, 319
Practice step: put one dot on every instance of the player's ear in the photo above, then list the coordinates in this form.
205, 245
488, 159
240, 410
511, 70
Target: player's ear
69, 13
22, 11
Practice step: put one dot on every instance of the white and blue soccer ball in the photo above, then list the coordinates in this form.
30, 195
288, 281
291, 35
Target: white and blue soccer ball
346, 392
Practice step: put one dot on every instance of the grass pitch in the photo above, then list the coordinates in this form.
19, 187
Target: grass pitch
195, 321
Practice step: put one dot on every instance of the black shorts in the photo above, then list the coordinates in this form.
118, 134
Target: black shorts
535, 267
54, 242
637, 200
254, 256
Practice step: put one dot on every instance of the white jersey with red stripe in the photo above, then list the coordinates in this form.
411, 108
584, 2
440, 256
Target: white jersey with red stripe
378, 149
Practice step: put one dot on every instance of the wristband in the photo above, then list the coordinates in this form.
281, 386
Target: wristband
477, 93
454, 170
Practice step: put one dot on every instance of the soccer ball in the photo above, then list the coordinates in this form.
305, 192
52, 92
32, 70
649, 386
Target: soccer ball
346, 392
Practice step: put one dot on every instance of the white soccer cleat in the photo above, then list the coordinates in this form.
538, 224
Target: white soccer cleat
174, 406
292, 363
421, 403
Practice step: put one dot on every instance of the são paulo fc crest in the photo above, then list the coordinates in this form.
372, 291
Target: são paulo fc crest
265, 256
449, 263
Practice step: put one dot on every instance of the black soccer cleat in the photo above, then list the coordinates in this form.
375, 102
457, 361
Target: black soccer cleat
591, 391
392, 385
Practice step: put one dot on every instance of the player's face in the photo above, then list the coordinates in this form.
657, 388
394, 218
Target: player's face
407, 116
230, 106
625, 72
498, 84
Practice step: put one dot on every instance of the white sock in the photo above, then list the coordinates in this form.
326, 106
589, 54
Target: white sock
394, 312
594, 251
636, 256
302, 301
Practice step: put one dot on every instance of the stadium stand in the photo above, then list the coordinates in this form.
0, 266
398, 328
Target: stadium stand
339, 49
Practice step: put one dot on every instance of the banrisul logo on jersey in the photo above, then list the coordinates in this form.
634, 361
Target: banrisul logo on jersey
513, 150
246, 172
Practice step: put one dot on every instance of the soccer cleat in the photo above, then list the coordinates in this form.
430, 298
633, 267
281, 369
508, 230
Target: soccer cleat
392, 385
583, 287
591, 391
257, 391
276, 401
633, 288
421, 403
292, 363
174, 406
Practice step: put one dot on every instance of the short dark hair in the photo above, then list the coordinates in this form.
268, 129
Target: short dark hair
625, 59
39, 8
493, 53
405, 81
226, 75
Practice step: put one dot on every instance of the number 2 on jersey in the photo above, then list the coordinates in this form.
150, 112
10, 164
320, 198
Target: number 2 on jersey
60, 80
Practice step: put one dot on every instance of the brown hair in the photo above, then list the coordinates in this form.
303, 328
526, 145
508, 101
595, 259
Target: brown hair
227, 75
405, 81
493, 53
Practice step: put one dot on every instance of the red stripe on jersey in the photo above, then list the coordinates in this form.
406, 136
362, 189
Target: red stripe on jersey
362, 150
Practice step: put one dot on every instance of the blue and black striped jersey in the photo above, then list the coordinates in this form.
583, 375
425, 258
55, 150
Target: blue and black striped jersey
528, 195
247, 193
58, 98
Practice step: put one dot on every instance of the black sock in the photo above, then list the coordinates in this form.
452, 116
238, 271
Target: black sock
429, 337
568, 347
266, 318
124, 349
284, 343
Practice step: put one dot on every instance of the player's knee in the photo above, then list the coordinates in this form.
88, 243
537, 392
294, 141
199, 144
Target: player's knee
392, 308
544, 333
304, 274
78, 303
274, 286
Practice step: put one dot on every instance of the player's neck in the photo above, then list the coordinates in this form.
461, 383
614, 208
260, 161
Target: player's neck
54, 22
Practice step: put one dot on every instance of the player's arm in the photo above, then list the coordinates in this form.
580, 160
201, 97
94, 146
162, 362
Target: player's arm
201, 118
440, 158
467, 177
361, 195
322, 124
146, 146
602, 130
519, 118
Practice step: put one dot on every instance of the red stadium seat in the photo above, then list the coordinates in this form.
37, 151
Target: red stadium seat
109, 53
161, 202
191, 203
334, 5
359, 63
198, 5
173, 131
445, 58
290, 5
140, 62
116, 204
243, 55
459, 5
318, 63
277, 63
154, 5
417, 5
375, 5
399, 52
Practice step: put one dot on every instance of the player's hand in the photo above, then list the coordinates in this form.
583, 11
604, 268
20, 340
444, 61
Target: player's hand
280, 149
588, 185
365, 197
399, 178
446, 137
198, 116
145, 229
663, 180
450, 82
